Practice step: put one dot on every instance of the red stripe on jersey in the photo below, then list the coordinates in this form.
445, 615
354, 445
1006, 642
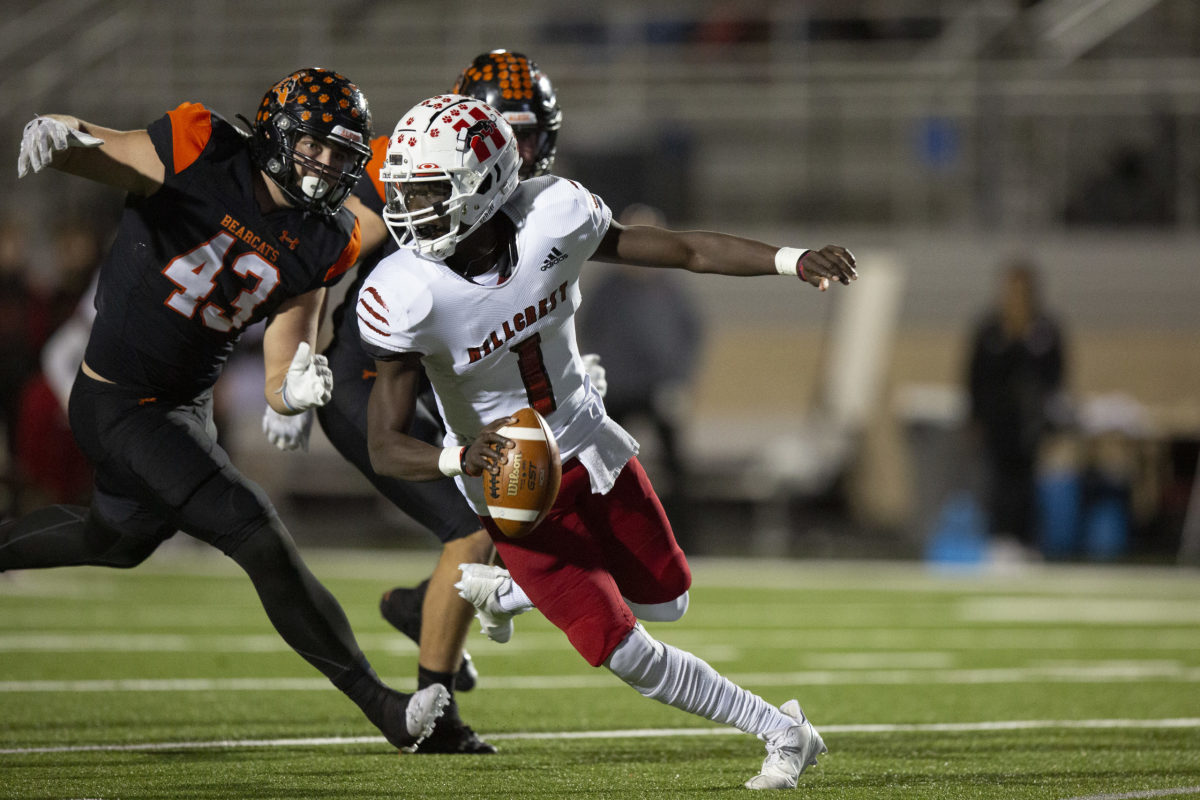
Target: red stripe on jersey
367, 322
378, 299
379, 147
349, 255
191, 128
372, 311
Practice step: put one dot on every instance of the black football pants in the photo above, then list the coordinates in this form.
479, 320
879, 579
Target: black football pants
159, 469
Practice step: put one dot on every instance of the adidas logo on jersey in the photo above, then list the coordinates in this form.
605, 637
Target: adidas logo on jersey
555, 256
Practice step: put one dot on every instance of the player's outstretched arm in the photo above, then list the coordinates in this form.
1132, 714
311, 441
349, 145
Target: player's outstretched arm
723, 254
125, 160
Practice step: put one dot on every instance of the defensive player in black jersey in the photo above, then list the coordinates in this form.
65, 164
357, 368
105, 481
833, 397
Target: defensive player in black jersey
220, 230
431, 613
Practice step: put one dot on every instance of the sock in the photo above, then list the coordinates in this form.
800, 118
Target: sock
512, 598
428, 677
680, 679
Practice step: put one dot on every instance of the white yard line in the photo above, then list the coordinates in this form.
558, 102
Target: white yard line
395, 567
645, 733
1116, 672
57, 636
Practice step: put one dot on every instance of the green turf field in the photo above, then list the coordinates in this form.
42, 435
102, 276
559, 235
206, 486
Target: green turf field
168, 682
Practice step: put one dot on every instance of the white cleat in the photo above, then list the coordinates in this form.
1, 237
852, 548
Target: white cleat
790, 751
424, 708
480, 586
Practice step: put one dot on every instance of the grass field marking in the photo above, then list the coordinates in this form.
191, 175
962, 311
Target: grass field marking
1079, 610
122, 642
393, 567
1098, 673
633, 733
60, 635
1135, 795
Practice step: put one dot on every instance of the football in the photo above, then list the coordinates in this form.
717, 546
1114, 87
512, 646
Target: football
521, 495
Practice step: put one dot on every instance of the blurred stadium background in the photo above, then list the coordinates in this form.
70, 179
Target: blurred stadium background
936, 138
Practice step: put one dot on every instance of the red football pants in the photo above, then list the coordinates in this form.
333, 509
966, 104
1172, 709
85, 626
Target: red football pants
591, 551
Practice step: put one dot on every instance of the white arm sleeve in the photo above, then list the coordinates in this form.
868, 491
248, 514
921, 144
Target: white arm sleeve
62, 355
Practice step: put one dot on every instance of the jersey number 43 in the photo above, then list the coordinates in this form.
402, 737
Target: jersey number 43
195, 273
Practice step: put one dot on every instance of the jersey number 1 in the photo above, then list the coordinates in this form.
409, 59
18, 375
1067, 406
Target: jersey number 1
534, 375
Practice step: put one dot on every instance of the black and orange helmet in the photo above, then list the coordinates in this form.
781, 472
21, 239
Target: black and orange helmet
322, 104
515, 86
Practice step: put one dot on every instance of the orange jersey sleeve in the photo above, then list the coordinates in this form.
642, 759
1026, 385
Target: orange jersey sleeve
191, 128
379, 146
349, 254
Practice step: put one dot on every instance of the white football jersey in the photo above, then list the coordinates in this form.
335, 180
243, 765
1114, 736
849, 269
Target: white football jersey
491, 349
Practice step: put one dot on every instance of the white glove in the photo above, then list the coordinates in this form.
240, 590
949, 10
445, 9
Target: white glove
591, 364
288, 432
309, 381
44, 136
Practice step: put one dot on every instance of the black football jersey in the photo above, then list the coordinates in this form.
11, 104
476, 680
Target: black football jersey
195, 263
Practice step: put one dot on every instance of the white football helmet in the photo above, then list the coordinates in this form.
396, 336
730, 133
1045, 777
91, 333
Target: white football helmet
451, 163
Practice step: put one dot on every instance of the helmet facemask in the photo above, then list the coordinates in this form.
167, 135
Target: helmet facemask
323, 188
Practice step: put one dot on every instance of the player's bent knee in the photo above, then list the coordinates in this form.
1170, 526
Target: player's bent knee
116, 548
266, 546
669, 611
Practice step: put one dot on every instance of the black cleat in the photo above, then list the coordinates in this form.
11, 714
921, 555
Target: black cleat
401, 607
452, 735
412, 718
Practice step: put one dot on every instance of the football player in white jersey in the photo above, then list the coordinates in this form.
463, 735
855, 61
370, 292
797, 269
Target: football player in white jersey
482, 293
521, 91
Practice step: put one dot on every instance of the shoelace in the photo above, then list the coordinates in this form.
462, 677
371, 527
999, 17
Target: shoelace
779, 753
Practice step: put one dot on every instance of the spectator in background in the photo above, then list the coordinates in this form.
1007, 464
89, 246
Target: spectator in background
50, 467
648, 333
1016, 370
18, 355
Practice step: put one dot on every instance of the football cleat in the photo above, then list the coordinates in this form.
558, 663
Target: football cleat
420, 715
452, 735
790, 751
401, 607
480, 586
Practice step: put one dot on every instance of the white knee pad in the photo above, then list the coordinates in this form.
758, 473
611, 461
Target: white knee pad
639, 660
660, 612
